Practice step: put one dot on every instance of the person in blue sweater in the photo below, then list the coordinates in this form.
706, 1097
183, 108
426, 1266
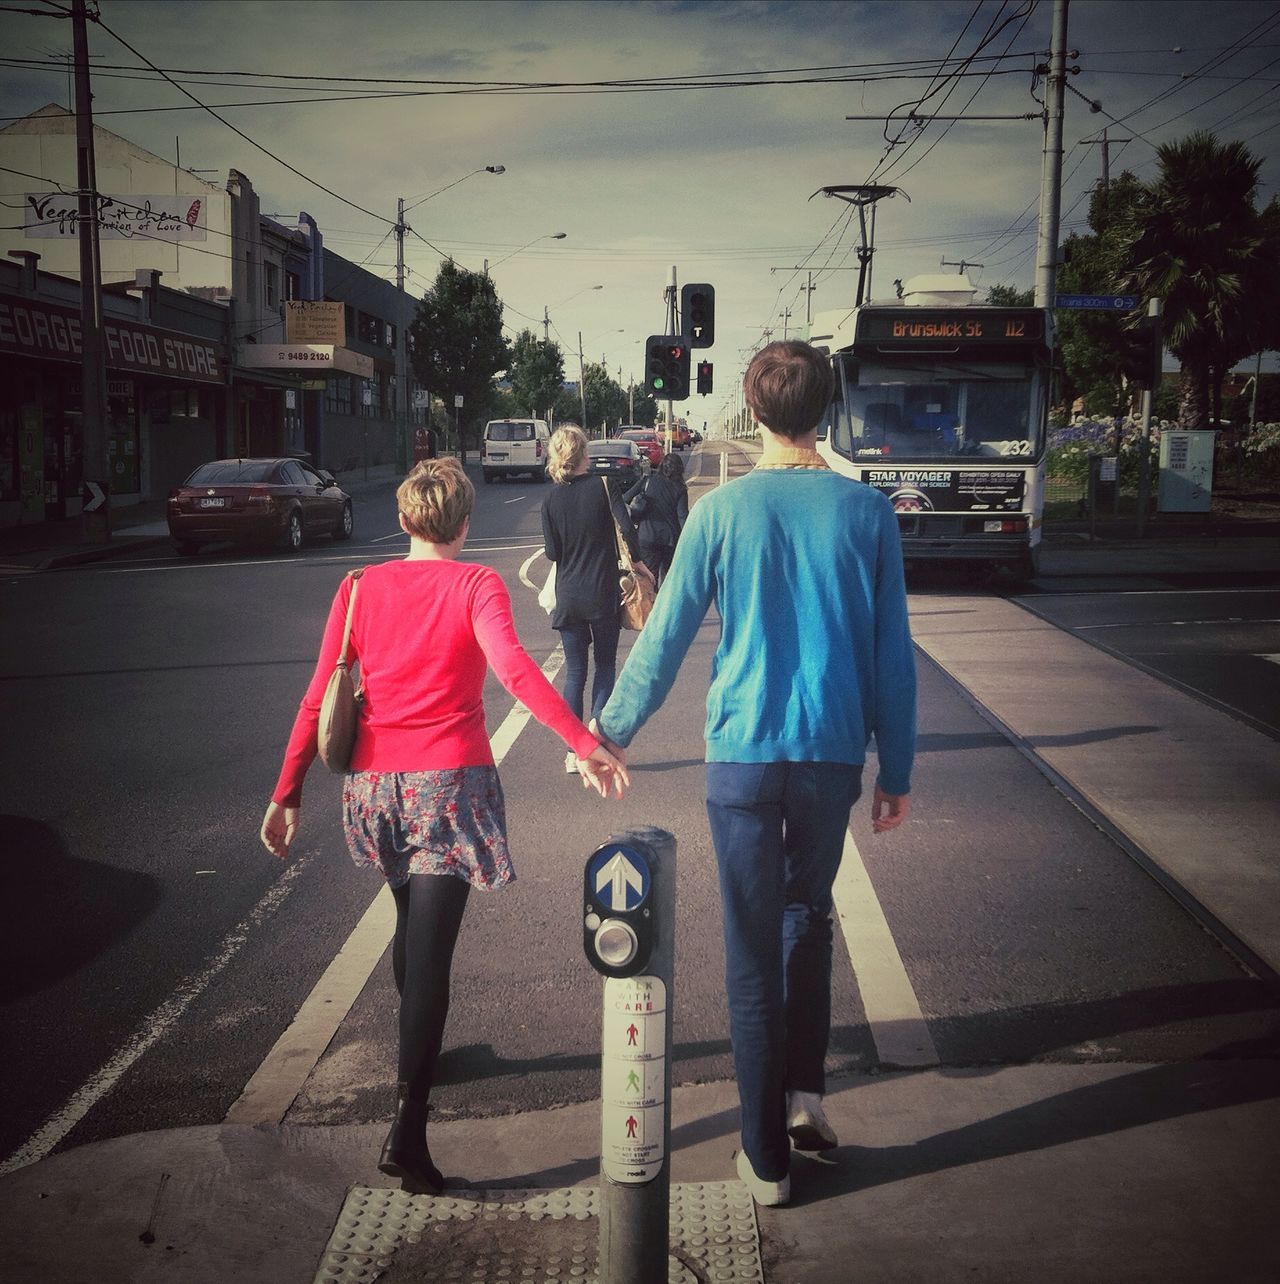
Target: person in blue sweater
805, 570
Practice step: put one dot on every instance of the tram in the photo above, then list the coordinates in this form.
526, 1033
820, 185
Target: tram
943, 404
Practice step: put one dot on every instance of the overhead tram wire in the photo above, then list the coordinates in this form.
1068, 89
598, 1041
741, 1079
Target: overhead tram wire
234, 129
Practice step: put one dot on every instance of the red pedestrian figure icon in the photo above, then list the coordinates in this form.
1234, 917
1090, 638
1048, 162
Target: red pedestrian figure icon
631, 1035
631, 1126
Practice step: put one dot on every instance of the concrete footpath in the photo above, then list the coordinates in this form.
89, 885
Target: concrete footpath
1039, 1172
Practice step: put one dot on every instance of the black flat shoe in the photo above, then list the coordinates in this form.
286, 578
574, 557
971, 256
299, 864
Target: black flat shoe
405, 1154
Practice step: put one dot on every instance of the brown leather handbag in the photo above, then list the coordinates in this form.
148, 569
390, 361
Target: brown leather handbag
340, 708
638, 591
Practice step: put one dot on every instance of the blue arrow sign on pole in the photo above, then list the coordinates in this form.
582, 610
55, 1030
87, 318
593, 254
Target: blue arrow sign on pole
620, 877
1097, 302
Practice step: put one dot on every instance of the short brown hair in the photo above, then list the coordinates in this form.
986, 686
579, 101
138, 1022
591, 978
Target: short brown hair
788, 387
566, 452
436, 499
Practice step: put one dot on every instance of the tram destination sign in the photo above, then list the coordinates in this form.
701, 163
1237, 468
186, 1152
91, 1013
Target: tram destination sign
953, 326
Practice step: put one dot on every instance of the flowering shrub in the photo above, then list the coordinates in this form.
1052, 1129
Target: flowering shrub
1071, 445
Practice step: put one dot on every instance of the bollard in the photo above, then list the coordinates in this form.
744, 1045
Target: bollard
629, 937
724, 467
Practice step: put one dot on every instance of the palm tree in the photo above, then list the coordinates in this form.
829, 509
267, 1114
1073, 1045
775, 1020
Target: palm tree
1195, 239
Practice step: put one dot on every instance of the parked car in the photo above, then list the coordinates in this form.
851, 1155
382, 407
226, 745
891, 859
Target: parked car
280, 501
647, 440
621, 461
511, 446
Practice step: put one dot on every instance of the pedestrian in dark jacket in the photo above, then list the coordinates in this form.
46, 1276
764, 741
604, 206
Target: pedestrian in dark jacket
659, 504
578, 538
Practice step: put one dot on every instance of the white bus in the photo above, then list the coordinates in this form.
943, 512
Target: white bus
943, 405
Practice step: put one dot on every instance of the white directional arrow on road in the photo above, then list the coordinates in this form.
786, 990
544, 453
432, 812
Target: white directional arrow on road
621, 873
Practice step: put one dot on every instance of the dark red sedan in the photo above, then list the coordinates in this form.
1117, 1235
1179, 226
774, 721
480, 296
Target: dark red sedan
647, 440
279, 501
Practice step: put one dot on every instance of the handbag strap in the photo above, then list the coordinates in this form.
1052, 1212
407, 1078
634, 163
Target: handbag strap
351, 608
624, 553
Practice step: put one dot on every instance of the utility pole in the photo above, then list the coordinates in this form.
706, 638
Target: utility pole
546, 325
809, 288
404, 455
1155, 309
96, 511
786, 323
582, 386
1051, 169
1105, 143
964, 263
673, 328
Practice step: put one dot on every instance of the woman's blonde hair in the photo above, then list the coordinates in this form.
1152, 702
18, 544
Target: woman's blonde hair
436, 499
567, 451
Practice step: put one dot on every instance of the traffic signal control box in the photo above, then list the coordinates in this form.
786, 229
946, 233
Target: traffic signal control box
667, 367
698, 314
704, 377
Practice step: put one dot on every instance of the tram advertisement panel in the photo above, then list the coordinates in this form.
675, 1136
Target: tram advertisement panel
950, 490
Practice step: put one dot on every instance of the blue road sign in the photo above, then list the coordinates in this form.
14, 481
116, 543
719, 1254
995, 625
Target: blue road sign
619, 876
1097, 302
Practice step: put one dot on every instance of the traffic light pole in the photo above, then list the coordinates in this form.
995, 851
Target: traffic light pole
404, 454
1155, 309
673, 328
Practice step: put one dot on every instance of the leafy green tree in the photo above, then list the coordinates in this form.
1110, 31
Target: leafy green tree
606, 401
644, 408
536, 371
1090, 343
457, 341
1195, 239
1007, 296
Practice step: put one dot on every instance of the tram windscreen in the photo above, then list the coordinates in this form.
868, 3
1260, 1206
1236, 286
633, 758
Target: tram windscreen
936, 411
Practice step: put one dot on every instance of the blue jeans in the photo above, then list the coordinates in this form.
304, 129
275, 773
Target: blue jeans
579, 638
778, 830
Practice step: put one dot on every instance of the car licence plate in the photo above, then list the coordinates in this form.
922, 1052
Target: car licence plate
213, 503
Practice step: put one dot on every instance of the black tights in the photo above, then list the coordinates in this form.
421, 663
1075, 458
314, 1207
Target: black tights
429, 910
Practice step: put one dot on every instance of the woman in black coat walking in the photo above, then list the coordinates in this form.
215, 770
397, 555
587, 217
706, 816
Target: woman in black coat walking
578, 538
660, 505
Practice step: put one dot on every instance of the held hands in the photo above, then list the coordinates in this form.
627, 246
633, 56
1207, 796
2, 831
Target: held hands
603, 772
279, 829
889, 810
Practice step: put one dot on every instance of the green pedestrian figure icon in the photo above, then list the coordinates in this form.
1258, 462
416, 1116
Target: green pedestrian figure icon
633, 1082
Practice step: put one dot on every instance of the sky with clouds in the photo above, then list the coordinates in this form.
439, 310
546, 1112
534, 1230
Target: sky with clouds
711, 172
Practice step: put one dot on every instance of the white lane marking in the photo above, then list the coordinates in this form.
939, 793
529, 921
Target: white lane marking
897, 1025
348, 558
1140, 624
276, 1083
524, 571
152, 1028
1275, 659
517, 499
382, 539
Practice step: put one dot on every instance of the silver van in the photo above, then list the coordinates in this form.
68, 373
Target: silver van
511, 446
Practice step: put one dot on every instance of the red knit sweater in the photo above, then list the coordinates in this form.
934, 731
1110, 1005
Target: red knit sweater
424, 631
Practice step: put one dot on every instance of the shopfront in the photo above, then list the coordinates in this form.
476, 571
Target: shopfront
165, 402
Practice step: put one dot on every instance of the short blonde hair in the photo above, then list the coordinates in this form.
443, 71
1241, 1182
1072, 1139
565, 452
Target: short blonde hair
436, 499
567, 451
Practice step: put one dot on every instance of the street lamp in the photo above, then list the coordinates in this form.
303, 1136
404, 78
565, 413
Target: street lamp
547, 236
403, 450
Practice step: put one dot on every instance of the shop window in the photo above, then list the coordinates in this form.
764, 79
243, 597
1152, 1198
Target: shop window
337, 395
370, 329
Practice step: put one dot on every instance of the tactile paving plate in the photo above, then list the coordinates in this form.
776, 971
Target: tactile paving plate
530, 1237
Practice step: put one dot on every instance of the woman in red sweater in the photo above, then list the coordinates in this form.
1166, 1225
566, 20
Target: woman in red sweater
422, 800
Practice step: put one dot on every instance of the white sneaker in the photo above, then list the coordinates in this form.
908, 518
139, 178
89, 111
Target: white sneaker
771, 1194
571, 763
807, 1122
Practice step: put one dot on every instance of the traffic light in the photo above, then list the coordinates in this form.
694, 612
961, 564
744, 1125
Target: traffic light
704, 377
1141, 351
698, 314
667, 367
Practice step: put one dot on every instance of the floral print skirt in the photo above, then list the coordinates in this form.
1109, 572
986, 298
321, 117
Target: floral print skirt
429, 822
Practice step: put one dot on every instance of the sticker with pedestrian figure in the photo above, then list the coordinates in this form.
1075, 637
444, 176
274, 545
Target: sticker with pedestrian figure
633, 1078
